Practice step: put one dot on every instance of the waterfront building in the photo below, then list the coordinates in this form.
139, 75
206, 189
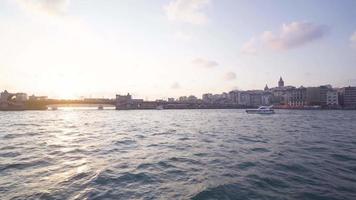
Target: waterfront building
340, 94
323, 94
255, 99
332, 98
349, 94
216, 98
207, 98
313, 96
183, 99
281, 91
266, 98
223, 98
296, 97
123, 98
244, 98
280, 94
224, 95
171, 99
317, 96
234, 97
124, 102
192, 99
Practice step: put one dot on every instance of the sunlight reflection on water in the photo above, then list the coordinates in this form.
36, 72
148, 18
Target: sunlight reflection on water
177, 154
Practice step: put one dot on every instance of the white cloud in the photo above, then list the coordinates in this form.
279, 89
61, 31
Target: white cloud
200, 62
230, 76
249, 47
189, 11
294, 35
290, 36
353, 39
52, 7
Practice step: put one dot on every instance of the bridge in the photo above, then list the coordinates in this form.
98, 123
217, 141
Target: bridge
53, 103
19, 101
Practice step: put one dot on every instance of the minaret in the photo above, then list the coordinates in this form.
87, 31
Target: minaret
280, 82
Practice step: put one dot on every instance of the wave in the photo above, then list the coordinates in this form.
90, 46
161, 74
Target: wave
24, 165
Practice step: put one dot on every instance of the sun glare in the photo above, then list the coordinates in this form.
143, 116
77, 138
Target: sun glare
67, 90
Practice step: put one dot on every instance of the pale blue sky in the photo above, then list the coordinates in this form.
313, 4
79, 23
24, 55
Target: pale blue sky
163, 48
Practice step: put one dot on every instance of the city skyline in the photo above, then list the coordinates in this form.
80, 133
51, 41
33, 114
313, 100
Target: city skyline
280, 84
170, 48
282, 97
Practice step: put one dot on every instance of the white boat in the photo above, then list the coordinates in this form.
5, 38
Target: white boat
261, 110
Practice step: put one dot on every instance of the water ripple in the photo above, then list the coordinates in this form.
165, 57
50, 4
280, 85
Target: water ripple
177, 154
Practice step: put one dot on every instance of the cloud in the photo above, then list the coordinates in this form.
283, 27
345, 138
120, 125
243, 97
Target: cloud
353, 40
188, 11
175, 85
230, 76
52, 7
249, 47
294, 35
205, 63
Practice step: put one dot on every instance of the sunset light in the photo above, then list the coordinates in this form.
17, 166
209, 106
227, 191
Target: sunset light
178, 99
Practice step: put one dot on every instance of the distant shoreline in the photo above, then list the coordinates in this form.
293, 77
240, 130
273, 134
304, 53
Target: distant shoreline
48, 109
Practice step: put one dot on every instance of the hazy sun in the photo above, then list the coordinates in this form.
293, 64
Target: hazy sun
66, 89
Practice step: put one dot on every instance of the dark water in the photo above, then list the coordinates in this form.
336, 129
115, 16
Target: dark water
177, 154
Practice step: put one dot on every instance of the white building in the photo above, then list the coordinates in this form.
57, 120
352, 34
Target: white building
244, 99
332, 98
266, 99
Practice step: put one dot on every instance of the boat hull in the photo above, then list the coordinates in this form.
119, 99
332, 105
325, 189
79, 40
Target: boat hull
264, 112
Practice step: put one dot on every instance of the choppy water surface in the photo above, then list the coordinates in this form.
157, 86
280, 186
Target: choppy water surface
177, 154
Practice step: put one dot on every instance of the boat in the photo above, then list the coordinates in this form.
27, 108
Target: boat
100, 107
261, 110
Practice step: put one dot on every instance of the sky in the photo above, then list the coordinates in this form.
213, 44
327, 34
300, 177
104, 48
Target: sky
169, 48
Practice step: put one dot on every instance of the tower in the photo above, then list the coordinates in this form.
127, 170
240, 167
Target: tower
280, 82
266, 87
